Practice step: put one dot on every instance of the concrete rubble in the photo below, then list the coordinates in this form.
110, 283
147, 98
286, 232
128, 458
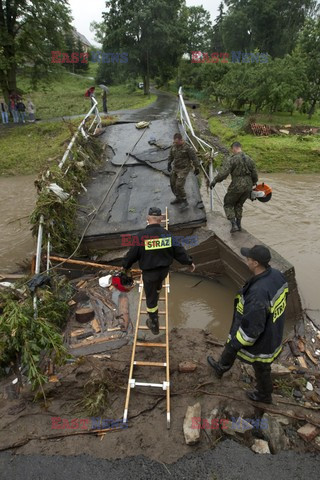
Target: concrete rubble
191, 434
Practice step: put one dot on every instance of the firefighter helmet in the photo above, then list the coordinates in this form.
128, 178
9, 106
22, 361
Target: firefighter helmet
262, 192
123, 282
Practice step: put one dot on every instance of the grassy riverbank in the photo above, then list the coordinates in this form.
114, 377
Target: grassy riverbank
274, 153
25, 149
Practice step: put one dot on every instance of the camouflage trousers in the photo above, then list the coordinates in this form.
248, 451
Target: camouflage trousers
233, 203
177, 182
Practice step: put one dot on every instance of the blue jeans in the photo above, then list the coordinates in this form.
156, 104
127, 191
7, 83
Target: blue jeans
5, 118
22, 117
15, 115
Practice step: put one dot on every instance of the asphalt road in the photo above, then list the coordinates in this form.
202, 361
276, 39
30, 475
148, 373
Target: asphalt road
228, 461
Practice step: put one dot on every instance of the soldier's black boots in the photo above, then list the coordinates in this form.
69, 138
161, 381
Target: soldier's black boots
226, 361
238, 222
153, 323
184, 205
175, 201
234, 226
259, 397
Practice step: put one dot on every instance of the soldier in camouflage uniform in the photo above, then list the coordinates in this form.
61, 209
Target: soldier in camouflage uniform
183, 158
244, 175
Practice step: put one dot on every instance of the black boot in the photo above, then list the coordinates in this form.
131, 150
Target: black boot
184, 205
175, 201
234, 226
153, 323
238, 222
259, 397
264, 383
226, 361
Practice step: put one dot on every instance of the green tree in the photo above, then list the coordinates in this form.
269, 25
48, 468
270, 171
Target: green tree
308, 49
270, 26
29, 31
199, 29
217, 44
152, 32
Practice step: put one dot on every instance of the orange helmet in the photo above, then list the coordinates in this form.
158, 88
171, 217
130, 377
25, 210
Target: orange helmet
266, 189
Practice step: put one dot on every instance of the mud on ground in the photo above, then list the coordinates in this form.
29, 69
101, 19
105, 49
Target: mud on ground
26, 426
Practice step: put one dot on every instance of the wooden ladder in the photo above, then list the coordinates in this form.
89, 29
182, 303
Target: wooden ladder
165, 385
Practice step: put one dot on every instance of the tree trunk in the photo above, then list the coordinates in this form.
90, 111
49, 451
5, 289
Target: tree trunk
312, 108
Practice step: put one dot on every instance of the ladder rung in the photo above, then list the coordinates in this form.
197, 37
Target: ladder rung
145, 312
149, 364
147, 328
147, 344
143, 384
162, 298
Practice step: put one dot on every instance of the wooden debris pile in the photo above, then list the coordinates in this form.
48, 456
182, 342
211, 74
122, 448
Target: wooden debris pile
99, 319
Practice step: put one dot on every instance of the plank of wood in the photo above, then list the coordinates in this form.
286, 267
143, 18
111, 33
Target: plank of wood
311, 357
302, 362
95, 325
77, 332
87, 342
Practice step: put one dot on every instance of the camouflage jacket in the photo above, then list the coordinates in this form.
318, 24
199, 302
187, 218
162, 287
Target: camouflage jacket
183, 157
242, 170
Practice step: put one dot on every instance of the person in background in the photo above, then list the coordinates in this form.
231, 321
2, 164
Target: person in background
31, 109
4, 111
13, 109
21, 111
104, 102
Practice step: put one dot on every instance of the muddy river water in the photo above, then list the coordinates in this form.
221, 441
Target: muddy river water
290, 223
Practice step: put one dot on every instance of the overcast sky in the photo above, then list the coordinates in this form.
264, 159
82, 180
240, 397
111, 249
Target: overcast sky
84, 12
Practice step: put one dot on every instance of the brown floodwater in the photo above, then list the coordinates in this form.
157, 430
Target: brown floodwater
18, 196
289, 223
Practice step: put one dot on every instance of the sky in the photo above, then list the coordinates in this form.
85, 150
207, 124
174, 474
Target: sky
84, 12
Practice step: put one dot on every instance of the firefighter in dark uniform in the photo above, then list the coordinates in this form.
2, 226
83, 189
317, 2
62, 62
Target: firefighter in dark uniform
182, 158
155, 252
244, 176
258, 320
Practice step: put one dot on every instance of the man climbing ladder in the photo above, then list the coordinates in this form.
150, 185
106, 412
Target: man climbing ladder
155, 252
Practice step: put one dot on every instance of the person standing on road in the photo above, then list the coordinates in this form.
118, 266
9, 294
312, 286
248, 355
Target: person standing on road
182, 158
21, 110
155, 252
244, 176
104, 102
258, 321
13, 109
4, 111
31, 109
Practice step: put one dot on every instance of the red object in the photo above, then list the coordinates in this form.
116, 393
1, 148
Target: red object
122, 282
89, 91
263, 187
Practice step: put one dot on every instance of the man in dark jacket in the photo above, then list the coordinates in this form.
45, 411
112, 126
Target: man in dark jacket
155, 252
258, 320
244, 175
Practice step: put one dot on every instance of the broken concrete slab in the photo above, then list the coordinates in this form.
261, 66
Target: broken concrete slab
308, 432
192, 434
275, 434
260, 446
